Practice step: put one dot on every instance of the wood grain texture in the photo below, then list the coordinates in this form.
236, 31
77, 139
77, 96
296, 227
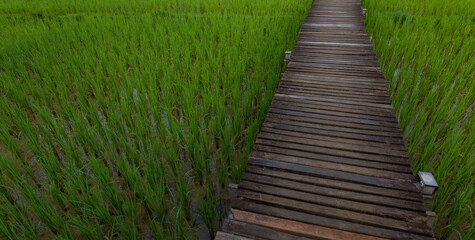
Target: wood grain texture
298, 227
227, 236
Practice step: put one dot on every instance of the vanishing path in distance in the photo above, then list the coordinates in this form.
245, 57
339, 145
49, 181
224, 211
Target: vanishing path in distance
330, 161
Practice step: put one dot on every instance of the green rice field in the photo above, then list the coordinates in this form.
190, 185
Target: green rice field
426, 49
126, 119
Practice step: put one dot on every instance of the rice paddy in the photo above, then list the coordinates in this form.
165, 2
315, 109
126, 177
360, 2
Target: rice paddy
426, 50
125, 119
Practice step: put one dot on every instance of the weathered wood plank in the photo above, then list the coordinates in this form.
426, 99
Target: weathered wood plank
324, 221
348, 79
257, 232
335, 183
227, 236
288, 120
335, 96
283, 128
357, 178
330, 111
388, 113
286, 136
330, 151
333, 87
355, 103
344, 194
299, 228
321, 160
349, 120
286, 199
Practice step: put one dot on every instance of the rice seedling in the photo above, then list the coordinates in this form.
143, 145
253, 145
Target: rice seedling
426, 50
117, 117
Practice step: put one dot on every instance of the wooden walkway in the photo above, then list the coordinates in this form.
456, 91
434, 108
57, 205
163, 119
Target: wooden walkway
330, 161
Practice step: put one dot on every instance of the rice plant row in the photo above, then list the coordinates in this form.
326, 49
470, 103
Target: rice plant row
426, 49
126, 119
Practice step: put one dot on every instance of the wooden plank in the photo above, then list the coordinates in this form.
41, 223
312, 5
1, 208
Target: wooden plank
379, 85
283, 155
257, 232
348, 120
333, 25
312, 51
356, 103
326, 30
335, 184
332, 95
316, 52
288, 120
330, 151
323, 221
327, 39
299, 228
227, 236
332, 111
344, 79
314, 159
287, 136
283, 198
338, 106
328, 88
332, 16
298, 119
357, 178
284, 129
344, 194
335, 52
341, 87
360, 128
342, 67
333, 44
335, 36
333, 88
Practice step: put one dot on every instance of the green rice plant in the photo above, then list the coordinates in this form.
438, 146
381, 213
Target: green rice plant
426, 50
118, 117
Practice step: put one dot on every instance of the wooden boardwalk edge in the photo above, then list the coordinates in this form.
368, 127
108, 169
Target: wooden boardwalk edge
330, 161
